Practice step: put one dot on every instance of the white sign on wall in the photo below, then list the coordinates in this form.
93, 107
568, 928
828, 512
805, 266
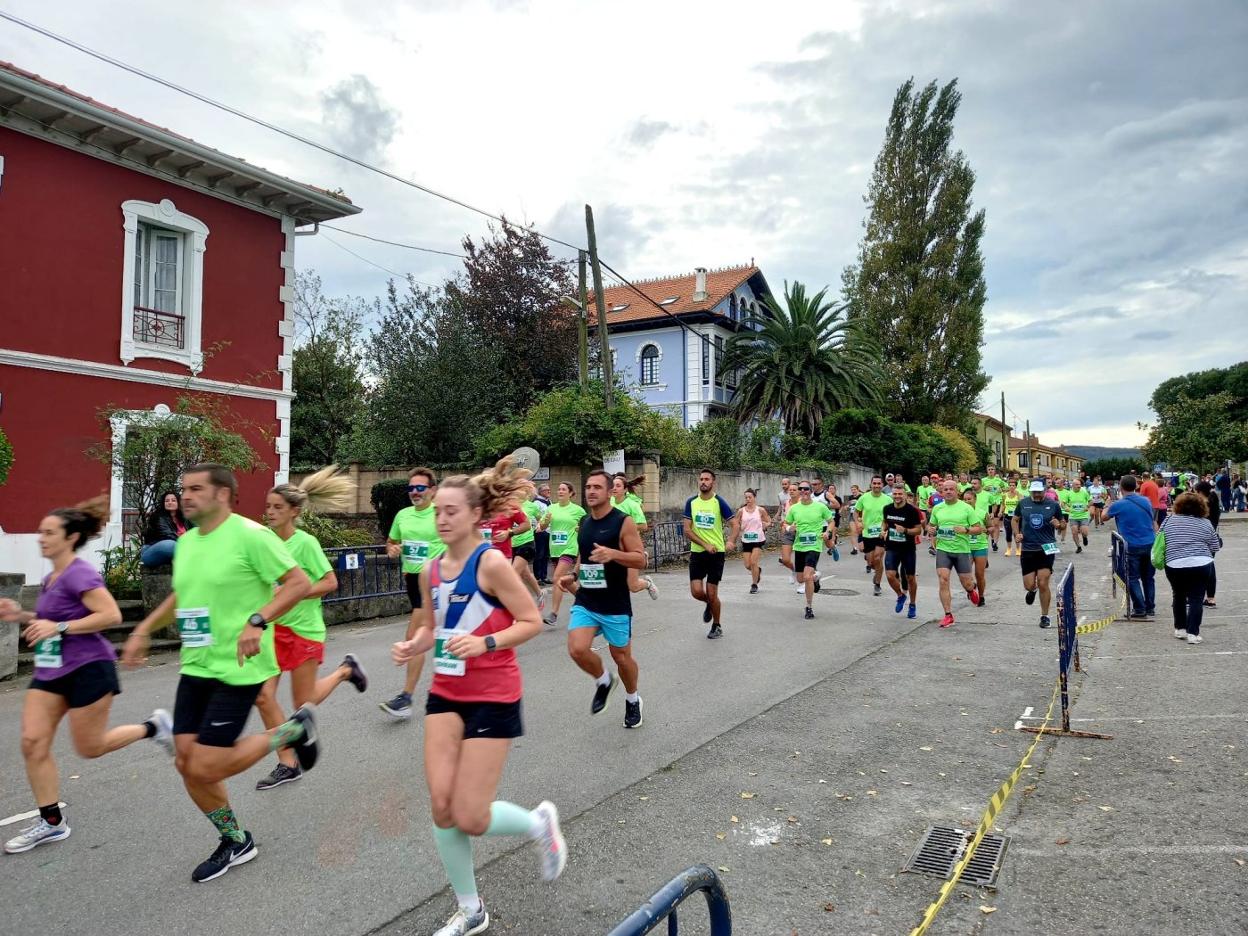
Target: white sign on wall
613, 462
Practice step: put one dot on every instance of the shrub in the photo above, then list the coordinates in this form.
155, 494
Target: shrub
389, 497
331, 533
6, 457
122, 571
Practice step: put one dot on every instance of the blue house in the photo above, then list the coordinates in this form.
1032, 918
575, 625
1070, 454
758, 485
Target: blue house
673, 368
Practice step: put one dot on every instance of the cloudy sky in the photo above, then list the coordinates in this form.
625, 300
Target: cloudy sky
1104, 135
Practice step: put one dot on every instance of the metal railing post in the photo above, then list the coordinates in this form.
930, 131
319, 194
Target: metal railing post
662, 906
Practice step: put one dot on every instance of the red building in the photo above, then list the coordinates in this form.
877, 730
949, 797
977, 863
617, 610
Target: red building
137, 266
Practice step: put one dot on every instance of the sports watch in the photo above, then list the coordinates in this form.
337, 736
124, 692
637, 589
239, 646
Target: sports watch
257, 620
490, 644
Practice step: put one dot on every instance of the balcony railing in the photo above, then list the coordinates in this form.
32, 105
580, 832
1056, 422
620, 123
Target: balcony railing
154, 327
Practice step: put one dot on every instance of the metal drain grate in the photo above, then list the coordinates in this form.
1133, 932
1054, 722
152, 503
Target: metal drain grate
942, 847
840, 591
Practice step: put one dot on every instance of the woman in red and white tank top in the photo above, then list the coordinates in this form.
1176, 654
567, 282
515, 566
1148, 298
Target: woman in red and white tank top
474, 611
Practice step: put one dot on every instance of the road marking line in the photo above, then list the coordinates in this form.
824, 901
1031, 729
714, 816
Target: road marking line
25, 815
1140, 718
1173, 655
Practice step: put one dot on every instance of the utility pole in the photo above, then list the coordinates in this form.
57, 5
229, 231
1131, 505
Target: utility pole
600, 300
582, 328
1005, 439
1031, 468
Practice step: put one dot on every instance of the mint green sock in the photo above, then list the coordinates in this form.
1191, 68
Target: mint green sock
455, 850
510, 819
286, 734
226, 824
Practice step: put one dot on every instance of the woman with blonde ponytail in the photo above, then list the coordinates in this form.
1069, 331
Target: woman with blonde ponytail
474, 611
299, 635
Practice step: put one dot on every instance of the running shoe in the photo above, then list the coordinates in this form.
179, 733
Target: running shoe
913, 612
1180, 634
1195, 639
817, 585
228, 854
836, 554
543, 595
994, 545
876, 590
632, 713
41, 833
601, 695
753, 589
1044, 621
854, 551
869, 569
463, 923
946, 621
706, 614
801, 589
357, 676
551, 620
1078, 549
554, 849
279, 775
901, 603
714, 633
931, 550
810, 614
973, 595
306, 748
399, 707
651, 589
983, 602
1085, 539
1030, 597
164, 729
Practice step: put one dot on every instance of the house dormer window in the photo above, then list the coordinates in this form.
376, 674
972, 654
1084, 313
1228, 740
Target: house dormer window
162, 295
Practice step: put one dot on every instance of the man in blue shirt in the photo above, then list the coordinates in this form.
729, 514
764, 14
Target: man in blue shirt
1134, 516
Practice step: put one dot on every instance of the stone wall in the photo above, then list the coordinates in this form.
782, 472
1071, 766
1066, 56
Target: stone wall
676, 485
10, 587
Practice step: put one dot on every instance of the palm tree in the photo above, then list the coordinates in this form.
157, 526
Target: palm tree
802, 361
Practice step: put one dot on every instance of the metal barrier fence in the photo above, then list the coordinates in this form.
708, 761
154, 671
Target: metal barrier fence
662, 906
1119, 573
364, 572
668, 543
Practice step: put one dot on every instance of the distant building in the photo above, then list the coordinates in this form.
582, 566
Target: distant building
992, 432
677, 369
1033, 458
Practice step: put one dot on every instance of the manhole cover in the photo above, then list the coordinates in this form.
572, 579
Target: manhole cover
942, 847
840, 591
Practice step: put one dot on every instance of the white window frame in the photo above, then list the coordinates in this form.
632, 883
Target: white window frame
658, 359
165, 214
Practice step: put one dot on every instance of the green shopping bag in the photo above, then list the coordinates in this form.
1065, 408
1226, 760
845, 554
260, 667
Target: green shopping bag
1159, 551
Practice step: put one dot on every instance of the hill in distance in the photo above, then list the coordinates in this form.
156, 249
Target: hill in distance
1091, 452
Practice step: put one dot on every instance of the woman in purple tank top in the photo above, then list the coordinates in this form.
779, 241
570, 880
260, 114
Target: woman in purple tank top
75, 667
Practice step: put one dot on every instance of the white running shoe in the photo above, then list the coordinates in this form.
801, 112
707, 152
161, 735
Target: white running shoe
1194, 638
801, 589
554, 849
543, 595
164, 729
41, 833
1180, 634
651, 589
465, 924
792, 580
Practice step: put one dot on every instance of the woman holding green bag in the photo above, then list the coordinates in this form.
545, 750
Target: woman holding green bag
1189, 545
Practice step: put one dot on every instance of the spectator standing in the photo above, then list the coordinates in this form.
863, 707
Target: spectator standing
1191, 543
1134, 516
1239, 494
1214, 503
1149, 489
1222, 481
164, 527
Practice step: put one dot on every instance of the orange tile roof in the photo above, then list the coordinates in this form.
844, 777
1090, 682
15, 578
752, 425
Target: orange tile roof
719, 283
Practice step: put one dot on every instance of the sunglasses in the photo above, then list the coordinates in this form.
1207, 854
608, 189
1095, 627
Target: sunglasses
804, 490
417, 488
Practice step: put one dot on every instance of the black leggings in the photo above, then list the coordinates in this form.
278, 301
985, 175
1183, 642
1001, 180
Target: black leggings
1188, 589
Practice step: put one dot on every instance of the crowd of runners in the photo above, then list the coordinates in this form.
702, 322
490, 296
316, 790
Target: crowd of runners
475, 554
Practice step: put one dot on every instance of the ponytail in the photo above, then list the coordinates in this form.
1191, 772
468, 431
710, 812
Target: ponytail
85, 519
326, 491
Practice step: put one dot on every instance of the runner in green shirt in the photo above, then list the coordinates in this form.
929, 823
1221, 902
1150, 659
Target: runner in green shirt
413, 538
1079, 511
524, 548
1009, 501
299, 635
924, 492
629, 504
223, 600
981, 504
953, 522
869, 509
994, 484
704, 518
807, 518
563, 519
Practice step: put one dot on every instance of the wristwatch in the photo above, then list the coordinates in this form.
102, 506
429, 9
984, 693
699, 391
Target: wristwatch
257, 620
490, 644
63, 627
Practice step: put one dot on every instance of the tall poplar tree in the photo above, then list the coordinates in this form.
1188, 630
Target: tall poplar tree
919, 279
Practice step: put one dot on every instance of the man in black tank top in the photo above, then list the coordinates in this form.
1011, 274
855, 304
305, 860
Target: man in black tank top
609, 545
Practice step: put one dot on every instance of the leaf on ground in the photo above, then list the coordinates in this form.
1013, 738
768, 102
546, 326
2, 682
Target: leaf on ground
734, 819
723, 869
925, 748
829, 907
643, 798
873, 792
828, 841
747, 795
983, 908
1105, 808
1173, 759
906, 783
1063, 841
792, 820
721, 835
996, 730
1239, 861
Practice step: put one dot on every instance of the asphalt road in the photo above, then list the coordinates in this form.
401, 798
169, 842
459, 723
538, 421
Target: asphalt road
859, 693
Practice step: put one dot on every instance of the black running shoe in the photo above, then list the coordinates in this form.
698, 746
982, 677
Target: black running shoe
931, 550
753, 589
228, 854
1031, 597
632, 713
817, 585
601, 695
706, 614
875, 590
279, 775
358, 677
1078, 549
714, 633
994, 545
306, 748
1044, 621
810, 613
853, 551
1085, 539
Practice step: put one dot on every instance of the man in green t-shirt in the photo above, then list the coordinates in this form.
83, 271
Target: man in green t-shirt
953, 522
807, 518
223, 598
1078, 509
869, 510
994, 484
414, 538
704, 518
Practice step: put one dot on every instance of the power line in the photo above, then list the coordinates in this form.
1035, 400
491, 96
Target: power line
406, 276
380, 240
204, 99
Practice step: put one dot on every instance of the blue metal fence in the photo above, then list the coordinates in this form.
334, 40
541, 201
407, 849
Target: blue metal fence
364, 572
668, 543
662, 906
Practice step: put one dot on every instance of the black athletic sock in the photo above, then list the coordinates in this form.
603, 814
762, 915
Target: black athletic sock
149, 729
51, 814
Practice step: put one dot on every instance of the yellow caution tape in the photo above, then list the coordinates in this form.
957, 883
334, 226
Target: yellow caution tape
1093, 626
994, 807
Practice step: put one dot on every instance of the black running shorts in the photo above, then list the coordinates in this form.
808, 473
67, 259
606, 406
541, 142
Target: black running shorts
215, 712
481, 719
85, 685
527, 552
871, 545
704, 565
900, 560
803, 559
412, 581
1034, 561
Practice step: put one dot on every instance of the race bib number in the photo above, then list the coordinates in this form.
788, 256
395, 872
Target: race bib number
48, 653
704, 521
751, 536
593, 575
560, 538
1049, 549
415, 551
945, 533
873, 532
896, 535
807, 539
446, 663
193, 627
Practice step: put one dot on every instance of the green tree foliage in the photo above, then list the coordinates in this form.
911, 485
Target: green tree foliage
6, 457
800, 361
868, 438
328, 372
1197, 434
919, 278
157, 449
1201, 384
1109, 469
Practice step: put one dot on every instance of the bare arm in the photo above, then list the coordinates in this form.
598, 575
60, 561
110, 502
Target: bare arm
104, 613
631, 555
